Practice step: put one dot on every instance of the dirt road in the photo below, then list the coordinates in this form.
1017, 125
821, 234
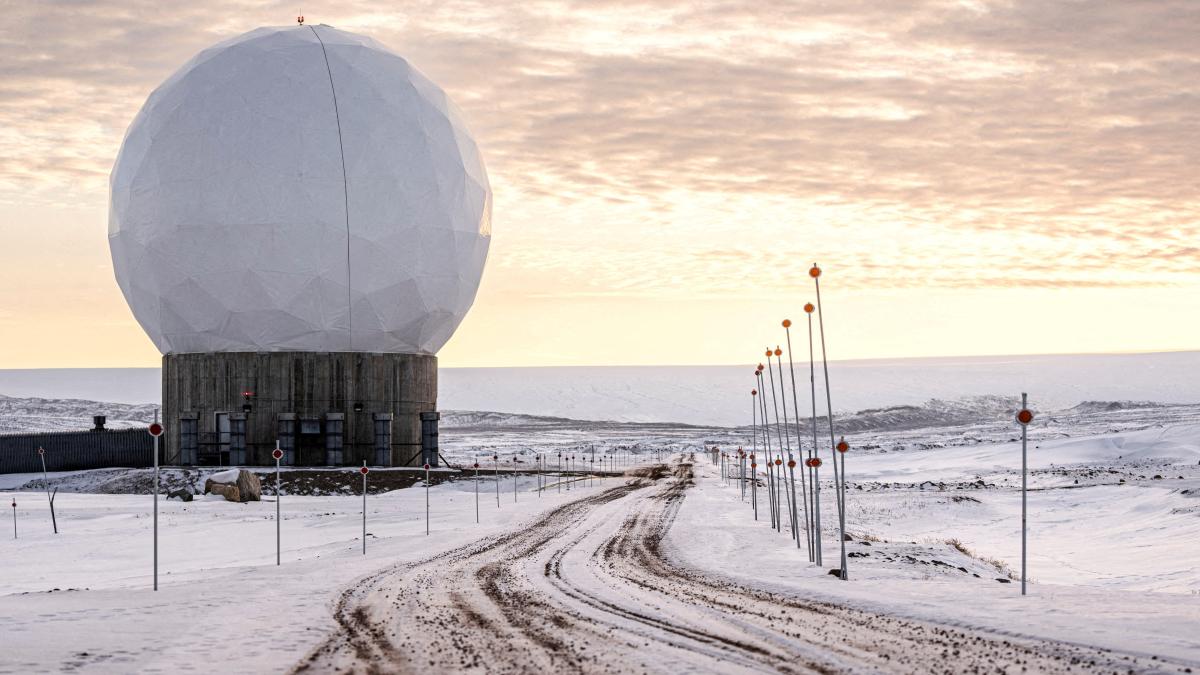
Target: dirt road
587, 588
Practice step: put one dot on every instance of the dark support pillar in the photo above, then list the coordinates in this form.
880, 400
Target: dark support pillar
429, 438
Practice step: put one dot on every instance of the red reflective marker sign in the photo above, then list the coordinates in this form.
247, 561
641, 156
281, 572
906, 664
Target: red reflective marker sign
426, 467
156, 429
364, 471
1025, 416
277, 454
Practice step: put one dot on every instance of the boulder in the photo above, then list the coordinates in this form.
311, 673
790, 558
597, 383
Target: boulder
181, 495
229, 492
236, 485
249, 486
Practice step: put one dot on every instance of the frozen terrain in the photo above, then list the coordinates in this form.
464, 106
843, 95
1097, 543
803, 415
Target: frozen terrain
659, 566
658, 570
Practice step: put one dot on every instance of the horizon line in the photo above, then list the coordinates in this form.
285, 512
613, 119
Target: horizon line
722, 365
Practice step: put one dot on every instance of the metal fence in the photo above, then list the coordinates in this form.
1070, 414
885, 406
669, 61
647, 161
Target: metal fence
75, 450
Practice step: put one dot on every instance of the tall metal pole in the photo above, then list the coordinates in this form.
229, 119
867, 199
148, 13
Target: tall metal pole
753, 432
814, 473
558, 468
808, 537
155, 503
426, 500
754, 484
795, 527
364, 533
815, 273
477, 491
762, 405
792, 480
14, 505
278, 534
514, 479
772, 468
1024, 485
742, 471
496, 459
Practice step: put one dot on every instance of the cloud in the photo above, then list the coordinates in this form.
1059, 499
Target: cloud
645, 147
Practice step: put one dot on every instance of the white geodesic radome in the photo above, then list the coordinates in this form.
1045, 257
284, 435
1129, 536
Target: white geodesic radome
299, 189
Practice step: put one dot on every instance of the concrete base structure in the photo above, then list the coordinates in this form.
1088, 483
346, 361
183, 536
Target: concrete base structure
325, 409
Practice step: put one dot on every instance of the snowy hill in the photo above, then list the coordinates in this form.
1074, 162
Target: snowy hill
40, 414
902, 389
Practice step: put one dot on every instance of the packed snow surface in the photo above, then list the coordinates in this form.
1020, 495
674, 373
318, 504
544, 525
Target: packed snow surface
933, 515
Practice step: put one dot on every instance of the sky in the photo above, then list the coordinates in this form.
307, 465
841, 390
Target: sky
974, 177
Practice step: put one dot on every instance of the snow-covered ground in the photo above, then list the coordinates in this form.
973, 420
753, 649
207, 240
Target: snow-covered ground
1086, 561
1114, 521
82, 599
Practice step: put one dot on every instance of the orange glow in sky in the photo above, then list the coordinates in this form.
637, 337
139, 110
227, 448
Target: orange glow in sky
974, 177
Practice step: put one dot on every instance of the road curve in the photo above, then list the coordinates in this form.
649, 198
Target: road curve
587, 588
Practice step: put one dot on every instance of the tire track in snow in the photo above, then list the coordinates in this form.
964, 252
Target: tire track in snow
587, 588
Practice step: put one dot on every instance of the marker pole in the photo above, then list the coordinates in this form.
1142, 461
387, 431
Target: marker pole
839, 481
477, 492
14, 505
766, 430
558, 468
496, 459
426, 500
539, 475
814, 473
783, 435
514, 479
155, 503
792, 480
742, 471
364, 533
1021, 417
278, 527
770, 462
787, 328
753, 433
754, 485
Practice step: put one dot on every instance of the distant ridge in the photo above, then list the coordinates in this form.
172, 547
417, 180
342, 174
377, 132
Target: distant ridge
719, 395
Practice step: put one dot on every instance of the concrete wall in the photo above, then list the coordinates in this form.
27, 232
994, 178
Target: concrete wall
306, 384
